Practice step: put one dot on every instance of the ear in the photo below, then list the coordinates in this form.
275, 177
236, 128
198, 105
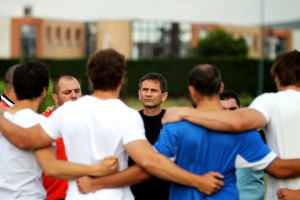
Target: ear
139, 94
277, 82
44, 92
164, 96
55, 98
192, 91
221, 87
122, 81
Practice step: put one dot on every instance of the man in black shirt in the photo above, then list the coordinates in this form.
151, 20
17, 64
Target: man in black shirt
152, 92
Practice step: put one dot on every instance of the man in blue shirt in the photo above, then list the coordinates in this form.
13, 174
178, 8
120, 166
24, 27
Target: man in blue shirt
200, 150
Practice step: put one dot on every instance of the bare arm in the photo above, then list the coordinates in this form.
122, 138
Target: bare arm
130, 176
52, 167
157, 164
29, 138
284, 168
219, 120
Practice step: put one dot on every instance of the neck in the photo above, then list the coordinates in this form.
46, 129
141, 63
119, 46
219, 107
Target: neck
209, 103
32, 104
11, 95
104, 95
289, 87
151, 111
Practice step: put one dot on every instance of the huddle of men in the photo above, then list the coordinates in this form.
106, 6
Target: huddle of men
98, 130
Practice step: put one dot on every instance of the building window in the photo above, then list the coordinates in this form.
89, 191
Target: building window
58, 36
48, 36
28, 35
77, 37
68, 37
160, 39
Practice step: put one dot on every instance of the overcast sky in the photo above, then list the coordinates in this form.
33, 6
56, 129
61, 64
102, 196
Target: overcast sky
236, 12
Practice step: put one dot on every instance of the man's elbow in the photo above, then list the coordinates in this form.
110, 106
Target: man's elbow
21, 144
239, 125
50, 172
150, 165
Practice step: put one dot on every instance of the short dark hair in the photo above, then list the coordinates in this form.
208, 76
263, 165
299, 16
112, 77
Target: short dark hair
156, 77
105, 69
30, 79
9, 76
56, 81
287, 68
228, 94
206, 79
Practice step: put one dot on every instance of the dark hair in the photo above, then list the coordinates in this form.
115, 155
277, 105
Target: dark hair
287, 68
206, 79
30, 79
156, 77
228, 94
105, 69
56, 81
9, 76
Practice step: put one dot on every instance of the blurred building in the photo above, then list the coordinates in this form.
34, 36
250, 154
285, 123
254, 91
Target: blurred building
44, 38
275, 41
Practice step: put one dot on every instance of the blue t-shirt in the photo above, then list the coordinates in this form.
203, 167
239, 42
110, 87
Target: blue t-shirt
200, 151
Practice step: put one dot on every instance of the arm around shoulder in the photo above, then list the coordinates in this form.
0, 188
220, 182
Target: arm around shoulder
24, 138
235, 121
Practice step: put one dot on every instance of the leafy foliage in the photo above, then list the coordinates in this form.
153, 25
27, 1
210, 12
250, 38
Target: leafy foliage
220, 43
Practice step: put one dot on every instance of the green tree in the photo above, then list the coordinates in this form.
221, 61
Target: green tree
220, 43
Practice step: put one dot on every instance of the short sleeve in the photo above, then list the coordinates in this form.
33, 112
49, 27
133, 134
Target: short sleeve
53, 124
264, 104
134, 128
254, 153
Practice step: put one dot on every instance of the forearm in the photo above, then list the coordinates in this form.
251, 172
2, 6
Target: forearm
13, 133
130, 176
24, 138
284, 168
61, 169
66, 170
220, 120
163, 168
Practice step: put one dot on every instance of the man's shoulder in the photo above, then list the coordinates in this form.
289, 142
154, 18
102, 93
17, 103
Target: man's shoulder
183, 125
24, 117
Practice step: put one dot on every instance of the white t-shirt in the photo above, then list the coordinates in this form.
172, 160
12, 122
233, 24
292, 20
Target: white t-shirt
20, 174
93, 129
282, 111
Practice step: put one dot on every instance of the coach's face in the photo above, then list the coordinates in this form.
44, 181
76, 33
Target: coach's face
150, 94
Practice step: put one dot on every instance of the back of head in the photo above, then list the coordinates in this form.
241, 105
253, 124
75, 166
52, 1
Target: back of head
155, 77
287, 68
106, 69
9, 76
30, 79
228, 94
206, 79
